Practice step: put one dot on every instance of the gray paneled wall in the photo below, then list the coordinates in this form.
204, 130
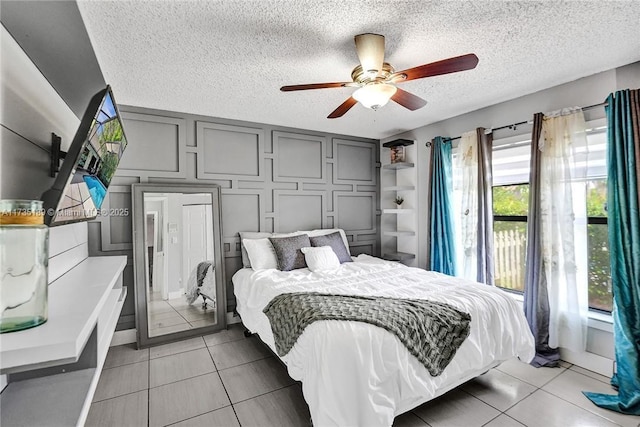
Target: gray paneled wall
273, 179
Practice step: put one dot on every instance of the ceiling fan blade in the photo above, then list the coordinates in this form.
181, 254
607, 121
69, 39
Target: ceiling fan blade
408, 100
343, 108
314, 86
370, 50
446, 66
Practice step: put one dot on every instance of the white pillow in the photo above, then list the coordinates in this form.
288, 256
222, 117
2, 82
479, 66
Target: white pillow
323, 231
246, 262
321, 258
261, 253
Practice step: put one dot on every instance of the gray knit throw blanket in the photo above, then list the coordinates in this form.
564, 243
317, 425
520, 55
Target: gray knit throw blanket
431, 331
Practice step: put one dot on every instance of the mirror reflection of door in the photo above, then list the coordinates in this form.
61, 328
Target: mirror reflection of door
179, 265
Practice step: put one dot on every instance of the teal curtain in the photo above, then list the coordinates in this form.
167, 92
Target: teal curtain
623, 156
442, 251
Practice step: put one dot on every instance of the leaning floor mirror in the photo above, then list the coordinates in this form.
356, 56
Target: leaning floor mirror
178, 263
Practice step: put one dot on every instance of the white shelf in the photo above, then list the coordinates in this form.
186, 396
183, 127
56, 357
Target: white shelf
397, 211
396, 166
398, 226
84, 307
400, 188
75, 302
398, 256
399, 233
55, 400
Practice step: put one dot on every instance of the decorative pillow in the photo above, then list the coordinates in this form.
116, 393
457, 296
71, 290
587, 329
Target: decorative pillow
335, 241
250, 235
325, 231
288, 251
260, 253
322, 258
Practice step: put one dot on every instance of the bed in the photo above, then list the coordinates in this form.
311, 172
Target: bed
358, 374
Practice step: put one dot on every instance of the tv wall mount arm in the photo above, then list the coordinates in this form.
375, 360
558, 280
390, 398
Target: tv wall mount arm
55, 155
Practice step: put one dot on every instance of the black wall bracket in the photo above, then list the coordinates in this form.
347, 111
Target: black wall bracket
56, 154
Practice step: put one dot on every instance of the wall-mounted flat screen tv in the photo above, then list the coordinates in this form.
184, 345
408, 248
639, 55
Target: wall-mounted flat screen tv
89, 165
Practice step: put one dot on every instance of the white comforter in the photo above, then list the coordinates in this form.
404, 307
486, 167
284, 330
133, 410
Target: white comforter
357, 374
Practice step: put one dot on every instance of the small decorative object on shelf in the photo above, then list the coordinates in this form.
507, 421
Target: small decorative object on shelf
24, 261
397, 149
398, 201
397, 154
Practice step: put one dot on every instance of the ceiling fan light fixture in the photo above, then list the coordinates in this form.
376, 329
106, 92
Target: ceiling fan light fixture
375, 96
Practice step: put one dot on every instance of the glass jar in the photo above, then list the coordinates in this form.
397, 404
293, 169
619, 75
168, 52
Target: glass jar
24, 262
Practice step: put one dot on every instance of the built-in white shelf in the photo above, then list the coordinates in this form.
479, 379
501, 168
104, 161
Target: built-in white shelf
54, 368
399, 179
400, 188
397, 211
75, 301
396, 166
398, 256
399, 233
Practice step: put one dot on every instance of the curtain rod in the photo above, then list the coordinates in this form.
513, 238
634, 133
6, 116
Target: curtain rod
513, 126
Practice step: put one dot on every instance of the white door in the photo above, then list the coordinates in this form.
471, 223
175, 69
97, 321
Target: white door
197, 238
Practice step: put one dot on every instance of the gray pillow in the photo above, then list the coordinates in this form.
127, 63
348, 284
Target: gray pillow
246, 263
337, 244
288, 252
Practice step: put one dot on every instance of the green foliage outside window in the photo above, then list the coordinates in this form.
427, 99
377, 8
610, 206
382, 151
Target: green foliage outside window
513, 200
600, 295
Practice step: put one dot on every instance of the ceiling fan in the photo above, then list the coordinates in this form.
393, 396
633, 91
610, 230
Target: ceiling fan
376, 80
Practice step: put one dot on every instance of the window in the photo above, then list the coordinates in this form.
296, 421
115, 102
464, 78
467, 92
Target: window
511, 203
511, 157
598, 264
510, 206
600, 296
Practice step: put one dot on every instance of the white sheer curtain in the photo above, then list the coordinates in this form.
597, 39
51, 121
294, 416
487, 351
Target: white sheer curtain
465, 185
564, 226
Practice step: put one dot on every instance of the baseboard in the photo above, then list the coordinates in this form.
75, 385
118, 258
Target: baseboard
126, 336
176, 294
591, 361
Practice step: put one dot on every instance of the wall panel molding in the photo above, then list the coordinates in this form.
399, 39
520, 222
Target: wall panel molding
354, 162
115, 219
226, 151
298, 157
273, 179
355, 211
165, 137
299, 210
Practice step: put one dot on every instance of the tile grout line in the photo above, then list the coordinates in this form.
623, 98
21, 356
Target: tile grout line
578, 406
565, 369
183, 379
225, 342
176, 353
199, 415
120, 395
124, 364
265, 393
608, 382
223, 386
245, 363
533, 385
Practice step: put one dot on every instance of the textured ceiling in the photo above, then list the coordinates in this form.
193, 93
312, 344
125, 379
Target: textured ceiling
229, 58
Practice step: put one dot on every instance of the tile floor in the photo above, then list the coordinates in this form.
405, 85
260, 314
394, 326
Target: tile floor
167, 316
225, 379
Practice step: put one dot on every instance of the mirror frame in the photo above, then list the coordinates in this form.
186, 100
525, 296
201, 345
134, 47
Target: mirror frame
142, 325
